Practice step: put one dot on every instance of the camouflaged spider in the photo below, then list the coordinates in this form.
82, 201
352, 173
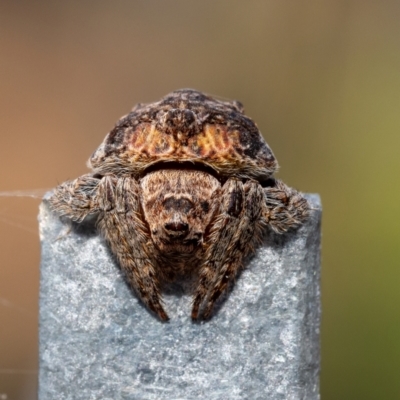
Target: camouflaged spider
183, 186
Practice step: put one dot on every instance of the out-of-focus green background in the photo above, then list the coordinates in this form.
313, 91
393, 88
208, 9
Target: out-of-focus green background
322, 80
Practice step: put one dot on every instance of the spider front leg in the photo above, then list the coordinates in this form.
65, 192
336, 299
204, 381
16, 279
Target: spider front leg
127, 234
233, 235
76, 199
285, 207
116, 201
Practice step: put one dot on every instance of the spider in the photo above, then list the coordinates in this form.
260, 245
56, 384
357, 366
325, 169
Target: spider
182, 187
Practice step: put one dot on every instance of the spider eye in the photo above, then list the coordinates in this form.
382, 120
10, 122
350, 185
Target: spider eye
205, 206
178, 204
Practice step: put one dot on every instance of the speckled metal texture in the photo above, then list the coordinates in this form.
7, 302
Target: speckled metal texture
97, 341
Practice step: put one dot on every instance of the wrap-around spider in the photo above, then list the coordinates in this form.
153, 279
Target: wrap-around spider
183, 186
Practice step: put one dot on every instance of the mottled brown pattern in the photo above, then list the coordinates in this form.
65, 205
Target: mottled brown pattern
182, 188
186, 125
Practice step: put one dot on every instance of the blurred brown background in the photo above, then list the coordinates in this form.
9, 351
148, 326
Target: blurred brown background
322, 80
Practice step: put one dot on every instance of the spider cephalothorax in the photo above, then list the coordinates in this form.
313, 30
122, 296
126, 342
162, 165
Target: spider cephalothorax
183, 186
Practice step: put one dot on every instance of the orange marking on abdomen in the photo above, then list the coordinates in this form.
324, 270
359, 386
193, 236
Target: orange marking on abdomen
213, 143
138, 138
218, 140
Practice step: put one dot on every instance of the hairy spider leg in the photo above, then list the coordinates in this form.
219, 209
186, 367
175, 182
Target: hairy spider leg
129, 240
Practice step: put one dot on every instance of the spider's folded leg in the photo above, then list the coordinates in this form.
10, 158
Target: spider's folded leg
285, 207
116, 201
122, 225
76, 199
233, 235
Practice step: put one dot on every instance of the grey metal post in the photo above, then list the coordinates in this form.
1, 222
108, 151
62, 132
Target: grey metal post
97, 341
